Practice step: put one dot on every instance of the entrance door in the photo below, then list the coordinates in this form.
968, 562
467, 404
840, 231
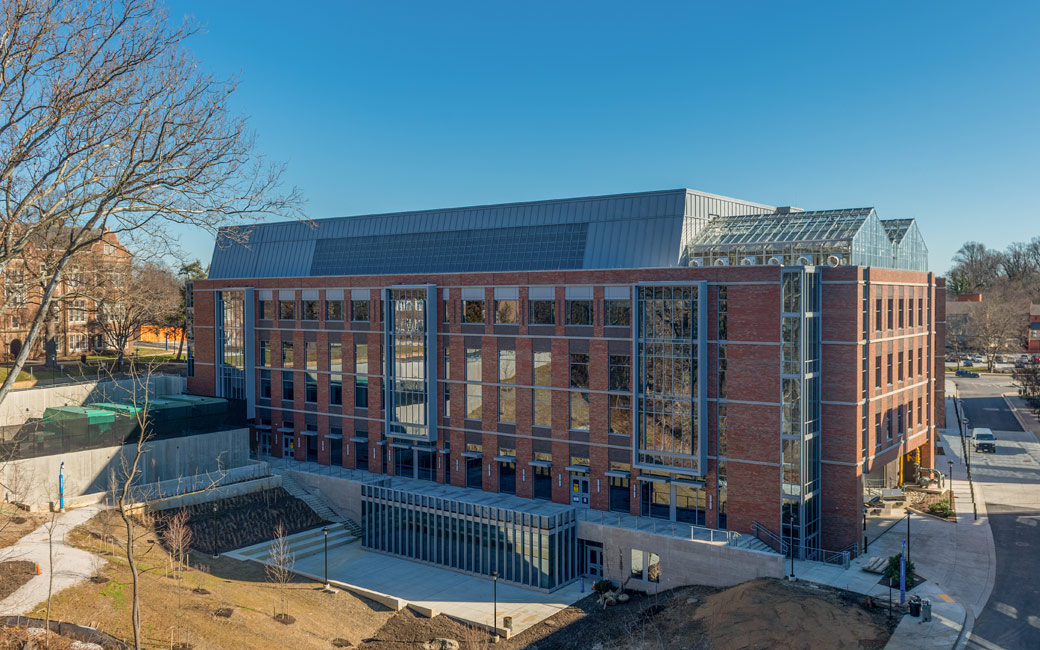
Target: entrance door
594, 560
265, 443
287, 445
580, 490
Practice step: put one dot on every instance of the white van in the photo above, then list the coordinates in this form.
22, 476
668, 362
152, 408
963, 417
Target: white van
982, 439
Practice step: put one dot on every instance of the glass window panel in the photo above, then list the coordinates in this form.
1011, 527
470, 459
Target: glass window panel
542, 312
473, 311
506, 312
617, 313
579, 411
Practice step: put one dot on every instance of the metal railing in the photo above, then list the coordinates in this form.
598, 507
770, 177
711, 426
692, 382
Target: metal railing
769, 538
842, 558
692, 532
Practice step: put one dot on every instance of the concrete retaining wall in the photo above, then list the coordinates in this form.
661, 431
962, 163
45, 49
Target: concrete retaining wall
34, 481
214, 494
683, 562
21, 405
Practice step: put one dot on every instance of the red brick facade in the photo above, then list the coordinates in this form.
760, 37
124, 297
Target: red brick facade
859, 346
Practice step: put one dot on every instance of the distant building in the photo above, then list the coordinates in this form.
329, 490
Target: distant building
672, 355
70, 325
1033, 335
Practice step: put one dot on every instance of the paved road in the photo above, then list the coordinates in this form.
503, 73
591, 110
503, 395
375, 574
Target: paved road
1010, 481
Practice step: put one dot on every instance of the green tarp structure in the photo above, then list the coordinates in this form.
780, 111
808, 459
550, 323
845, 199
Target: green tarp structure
201, 405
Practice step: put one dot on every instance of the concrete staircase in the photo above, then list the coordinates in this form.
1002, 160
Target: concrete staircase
752, 543
302, 545
318, 506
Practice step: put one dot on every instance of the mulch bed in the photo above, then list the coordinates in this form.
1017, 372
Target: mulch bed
13, 575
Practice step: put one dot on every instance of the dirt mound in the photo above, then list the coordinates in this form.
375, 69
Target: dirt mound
783, 615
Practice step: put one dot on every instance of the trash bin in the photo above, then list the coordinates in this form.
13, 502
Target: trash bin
915, 605
926, 610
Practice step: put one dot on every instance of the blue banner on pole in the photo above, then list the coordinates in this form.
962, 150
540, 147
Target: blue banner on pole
902, 574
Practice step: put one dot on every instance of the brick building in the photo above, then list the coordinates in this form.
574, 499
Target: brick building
72, 326
672, 355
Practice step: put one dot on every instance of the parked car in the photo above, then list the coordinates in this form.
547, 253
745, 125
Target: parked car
983, 440
967, 363
967, 373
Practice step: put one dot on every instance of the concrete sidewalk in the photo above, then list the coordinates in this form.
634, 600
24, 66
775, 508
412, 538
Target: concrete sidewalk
71, 565
957, 560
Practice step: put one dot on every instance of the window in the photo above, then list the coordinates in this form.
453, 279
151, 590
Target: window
542, 397
474, 398
506, 311
620, 414
891, 312
617, 313
287, 310
542, 312
287, 355
877, 372
910, 416
287, 385
579, 370
333, 310
78, 311
579, 411
723, 364
899, 361
877, 314
310, 348
909, 364
910, 312
473, 311
447, 386
336, 357
637, 564
336, 390
310, 310
361, 376
902, 310
620, 368
620, 489
310, 387
265, 353
877, 430
723, 314
920, 361
445, 310
265, 384
890, 369
542, 479
579, 312
359, 310
265, 311
920, 410
507, 394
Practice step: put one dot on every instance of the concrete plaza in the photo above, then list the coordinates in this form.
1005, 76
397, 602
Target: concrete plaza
433, 590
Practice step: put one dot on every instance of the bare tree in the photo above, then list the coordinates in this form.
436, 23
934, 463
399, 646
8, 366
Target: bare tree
127, 299
279, 570
108, 125
975, 267
178, 537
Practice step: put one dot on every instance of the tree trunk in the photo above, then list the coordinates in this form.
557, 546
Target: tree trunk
135, 612
180, 346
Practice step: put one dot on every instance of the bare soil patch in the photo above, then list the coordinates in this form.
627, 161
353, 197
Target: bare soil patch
13, 575
172, 612
16, 524
758, 614
19, 638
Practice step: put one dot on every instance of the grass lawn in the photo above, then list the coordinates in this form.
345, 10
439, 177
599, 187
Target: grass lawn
173, 609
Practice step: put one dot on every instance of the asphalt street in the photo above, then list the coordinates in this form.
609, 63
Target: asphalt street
1010, 481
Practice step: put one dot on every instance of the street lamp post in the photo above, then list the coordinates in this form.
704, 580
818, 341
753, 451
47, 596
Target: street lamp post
494, 620
908, 534
950, 463
61, 487
325, 530
790, 526
865, 530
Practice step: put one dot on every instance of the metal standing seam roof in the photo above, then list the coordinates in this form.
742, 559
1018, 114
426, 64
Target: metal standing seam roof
771, 229
638, 230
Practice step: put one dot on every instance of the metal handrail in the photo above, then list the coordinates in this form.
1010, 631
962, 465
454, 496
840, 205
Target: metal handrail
772, 540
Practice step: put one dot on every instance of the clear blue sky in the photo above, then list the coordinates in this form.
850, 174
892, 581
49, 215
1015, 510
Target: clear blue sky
920, 109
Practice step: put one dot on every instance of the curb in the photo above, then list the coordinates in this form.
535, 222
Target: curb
1014, 410
966, 628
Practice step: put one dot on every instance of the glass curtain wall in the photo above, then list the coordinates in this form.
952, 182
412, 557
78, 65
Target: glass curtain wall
410, 364
525, 548
671, 388
231, 339
800, 409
